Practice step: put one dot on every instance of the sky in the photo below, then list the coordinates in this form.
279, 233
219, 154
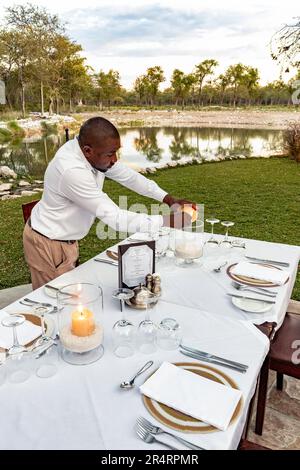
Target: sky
132, 35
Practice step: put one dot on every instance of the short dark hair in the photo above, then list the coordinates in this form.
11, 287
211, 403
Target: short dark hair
96, 129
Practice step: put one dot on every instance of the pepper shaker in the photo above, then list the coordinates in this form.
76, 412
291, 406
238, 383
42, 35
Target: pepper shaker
149, 282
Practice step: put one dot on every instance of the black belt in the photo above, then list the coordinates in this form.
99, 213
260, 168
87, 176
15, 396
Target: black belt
70, 242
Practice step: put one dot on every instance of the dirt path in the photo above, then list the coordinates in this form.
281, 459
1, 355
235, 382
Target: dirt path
221, 118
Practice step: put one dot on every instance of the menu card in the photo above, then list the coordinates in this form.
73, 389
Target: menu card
136, 260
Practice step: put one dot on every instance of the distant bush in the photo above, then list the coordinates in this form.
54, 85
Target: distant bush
291, 139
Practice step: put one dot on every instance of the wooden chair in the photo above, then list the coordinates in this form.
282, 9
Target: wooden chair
283, 357
247, 445
27, 208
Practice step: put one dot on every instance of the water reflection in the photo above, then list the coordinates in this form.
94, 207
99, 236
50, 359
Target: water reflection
148, 147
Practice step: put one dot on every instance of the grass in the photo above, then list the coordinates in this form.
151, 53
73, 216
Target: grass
261, 195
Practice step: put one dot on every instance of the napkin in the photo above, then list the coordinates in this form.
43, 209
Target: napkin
262, 273
196, 396
26, 332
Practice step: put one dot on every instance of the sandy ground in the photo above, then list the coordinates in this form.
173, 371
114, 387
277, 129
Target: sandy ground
222, 118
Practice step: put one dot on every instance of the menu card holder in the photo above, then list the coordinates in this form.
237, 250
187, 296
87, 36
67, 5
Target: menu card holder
136, 260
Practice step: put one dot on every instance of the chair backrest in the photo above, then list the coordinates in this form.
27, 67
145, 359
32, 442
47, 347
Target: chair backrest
27, 208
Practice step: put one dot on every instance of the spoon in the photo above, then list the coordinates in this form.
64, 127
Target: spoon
218, 269
128, 385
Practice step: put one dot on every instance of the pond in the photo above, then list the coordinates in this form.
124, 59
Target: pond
151, 147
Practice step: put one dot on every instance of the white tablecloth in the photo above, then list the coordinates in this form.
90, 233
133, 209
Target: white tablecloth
84, 408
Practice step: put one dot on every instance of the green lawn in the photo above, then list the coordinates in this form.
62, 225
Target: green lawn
262, 196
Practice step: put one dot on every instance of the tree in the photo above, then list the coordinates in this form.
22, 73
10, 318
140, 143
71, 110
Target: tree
153, 78
236, 75
181, 85
285, 45
108, 87
203, 70
251, 79
41, 30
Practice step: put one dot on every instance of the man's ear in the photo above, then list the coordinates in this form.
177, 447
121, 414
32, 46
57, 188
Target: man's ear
87, 150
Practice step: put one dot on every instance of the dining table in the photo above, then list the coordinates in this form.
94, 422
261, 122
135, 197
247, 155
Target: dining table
83, 407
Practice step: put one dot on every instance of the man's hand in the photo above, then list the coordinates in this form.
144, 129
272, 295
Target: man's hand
175, 203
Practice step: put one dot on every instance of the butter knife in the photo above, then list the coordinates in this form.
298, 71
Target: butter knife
268, 301
213, 361
212, 356
107, 261
279, 263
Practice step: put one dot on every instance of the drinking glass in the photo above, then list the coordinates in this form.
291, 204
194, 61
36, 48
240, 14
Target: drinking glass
12, 321
147, 329
19, 367
47, 361
168, 334
212, 240
123, 332
226, 242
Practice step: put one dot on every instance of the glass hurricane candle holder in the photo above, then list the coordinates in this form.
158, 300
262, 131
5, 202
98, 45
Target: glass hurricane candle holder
80, 330
189, 244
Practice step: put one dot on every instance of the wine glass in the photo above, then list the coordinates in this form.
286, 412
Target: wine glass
12, 321
226, 242
123, 330
41, 311
212, 240
147, 328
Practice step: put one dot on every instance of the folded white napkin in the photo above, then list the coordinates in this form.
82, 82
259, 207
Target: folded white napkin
196, 396
262, 273
26, 332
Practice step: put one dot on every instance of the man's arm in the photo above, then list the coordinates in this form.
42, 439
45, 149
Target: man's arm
140, 184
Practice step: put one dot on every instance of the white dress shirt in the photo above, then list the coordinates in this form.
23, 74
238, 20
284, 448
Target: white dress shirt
73, 197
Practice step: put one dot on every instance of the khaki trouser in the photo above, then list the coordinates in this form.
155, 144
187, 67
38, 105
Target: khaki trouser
47, 259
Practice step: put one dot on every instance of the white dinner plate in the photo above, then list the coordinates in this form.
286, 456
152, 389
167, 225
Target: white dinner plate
252, 306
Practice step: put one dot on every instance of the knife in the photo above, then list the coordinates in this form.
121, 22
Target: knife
213, 361
211, 356
280, 263
107, 261
251, 298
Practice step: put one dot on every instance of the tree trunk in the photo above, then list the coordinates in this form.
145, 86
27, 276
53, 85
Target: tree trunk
71, 105
23, 100
51, 106
42, 99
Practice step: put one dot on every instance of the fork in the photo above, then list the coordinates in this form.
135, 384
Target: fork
149, 438
151, 428
257, 290
32, 303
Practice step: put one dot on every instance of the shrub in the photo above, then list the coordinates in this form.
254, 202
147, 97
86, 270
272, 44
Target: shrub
291, 140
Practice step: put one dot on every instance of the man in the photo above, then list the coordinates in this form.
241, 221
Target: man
73, 197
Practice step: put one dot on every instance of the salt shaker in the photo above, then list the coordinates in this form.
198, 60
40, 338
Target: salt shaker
156, 284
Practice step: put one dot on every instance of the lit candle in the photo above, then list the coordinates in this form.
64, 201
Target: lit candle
83, 323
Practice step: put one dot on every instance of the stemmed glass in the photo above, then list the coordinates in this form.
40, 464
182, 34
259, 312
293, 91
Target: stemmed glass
123, 330
12, 321
212, 240
147, 328
41, 311
226, 242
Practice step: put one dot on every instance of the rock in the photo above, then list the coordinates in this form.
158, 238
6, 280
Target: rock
4, 193
27, 193
23, 183
5, 187
38, 181
151, 170
39, 190
6, 172
9, 196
